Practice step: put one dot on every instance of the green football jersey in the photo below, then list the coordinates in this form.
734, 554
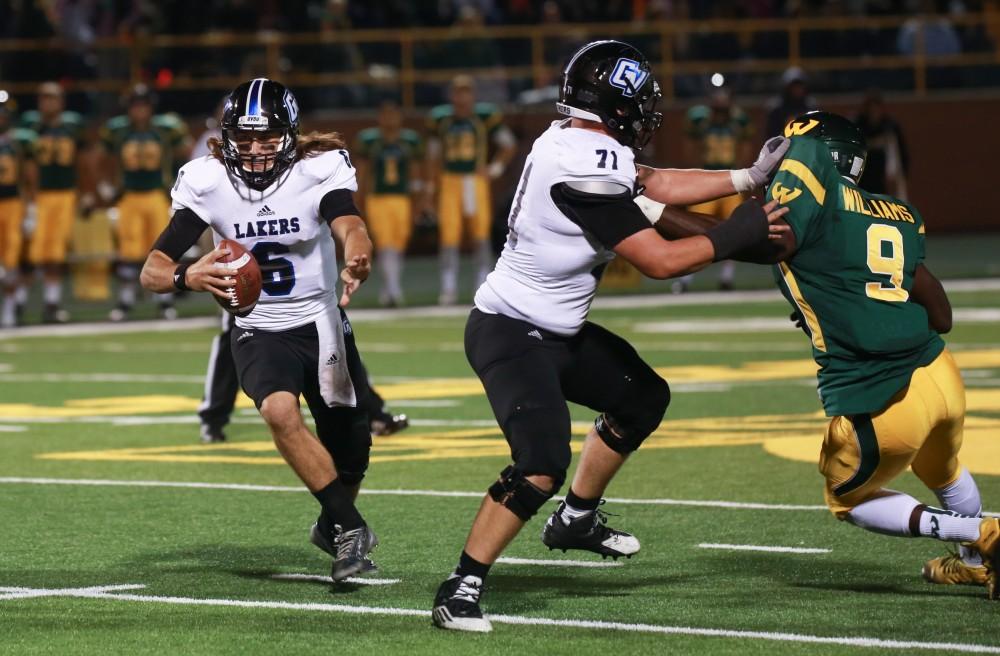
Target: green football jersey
466, 141
391, 161
719, 142
146, 155
16, 145
56, 149
851, 278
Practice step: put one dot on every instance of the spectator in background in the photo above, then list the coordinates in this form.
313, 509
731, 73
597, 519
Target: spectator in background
794, 100
940, 37
885, 170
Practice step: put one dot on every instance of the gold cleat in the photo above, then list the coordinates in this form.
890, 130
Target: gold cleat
952, 570
988, 545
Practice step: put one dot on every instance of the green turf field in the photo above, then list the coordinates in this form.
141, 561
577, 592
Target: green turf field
92, 425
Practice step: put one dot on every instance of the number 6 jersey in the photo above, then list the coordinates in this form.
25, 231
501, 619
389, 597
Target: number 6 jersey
851, 278
281, 226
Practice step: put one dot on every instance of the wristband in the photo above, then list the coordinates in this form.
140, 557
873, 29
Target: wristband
180, 273
742, 181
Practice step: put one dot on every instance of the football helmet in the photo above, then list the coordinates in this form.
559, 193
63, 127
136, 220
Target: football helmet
844, 139
612, 83
259, 109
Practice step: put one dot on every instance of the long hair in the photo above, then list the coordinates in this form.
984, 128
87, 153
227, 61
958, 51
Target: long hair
307, 145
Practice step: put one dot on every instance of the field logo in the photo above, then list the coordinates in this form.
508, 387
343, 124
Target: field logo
798, 128
628, 76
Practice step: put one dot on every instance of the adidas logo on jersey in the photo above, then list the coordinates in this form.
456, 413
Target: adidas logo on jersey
265, 211
534, 333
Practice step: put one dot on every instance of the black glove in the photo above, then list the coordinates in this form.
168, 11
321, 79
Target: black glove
799, 321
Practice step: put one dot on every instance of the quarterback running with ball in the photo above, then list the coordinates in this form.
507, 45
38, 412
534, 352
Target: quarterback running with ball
287, 198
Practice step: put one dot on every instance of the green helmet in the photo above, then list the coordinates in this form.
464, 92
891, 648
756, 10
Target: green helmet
844, 139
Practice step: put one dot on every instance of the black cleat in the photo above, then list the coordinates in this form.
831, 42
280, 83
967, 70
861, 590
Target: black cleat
52, 313
327, 539
588, 532
353, 548
211, 434
456, 605
385, 424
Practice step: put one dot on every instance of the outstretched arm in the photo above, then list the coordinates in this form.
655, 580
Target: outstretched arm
928, 291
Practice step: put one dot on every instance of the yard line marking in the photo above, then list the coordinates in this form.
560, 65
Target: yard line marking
874, 643
557, 563
360, 580
246, 487
426, 403
4, 428
753, 547
101, 378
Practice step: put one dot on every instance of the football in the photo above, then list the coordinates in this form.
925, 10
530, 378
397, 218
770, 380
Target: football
243, 297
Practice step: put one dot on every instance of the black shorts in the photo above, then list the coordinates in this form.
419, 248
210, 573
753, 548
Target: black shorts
288, 361
531, 373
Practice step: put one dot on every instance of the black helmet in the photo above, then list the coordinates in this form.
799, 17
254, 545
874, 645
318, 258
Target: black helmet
611, 82
845, 140
256, 107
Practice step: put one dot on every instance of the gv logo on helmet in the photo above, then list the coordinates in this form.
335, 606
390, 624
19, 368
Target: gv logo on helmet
292, 105
796, 128
628, 76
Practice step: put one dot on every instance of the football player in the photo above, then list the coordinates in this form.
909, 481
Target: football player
717, 137
460, 135
60, 140
287, 198
389, 165
17, 184
142, 147
528, 338
851, 265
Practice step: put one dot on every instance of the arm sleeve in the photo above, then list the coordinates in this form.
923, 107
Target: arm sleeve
609, 218
181, 233
333, 172
337, 203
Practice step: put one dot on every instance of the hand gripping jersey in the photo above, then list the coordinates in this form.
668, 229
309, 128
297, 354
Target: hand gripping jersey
281, 226
851, 278
548, 272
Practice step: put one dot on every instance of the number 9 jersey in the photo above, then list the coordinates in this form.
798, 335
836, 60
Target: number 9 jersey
850, 278
281, 226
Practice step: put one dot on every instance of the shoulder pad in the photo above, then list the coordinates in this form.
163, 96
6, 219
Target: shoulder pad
368, 134
24, 135
203, 174
116, 123
322, 166
30, 118
410, 135
698, 113
71, 118
440, 112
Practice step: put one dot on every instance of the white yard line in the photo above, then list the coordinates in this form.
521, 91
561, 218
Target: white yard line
107, 593
359, 580
557, 563
755, 547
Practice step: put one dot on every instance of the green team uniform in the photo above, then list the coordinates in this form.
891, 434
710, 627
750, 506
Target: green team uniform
719, 142
465, 141
56, 149
390, 160
16, 145
146, 155
850, 278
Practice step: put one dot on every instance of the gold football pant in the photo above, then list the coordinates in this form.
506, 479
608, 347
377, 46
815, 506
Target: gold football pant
56, 212
390, 217
463, 197
720, 207
11, 219
142, 216
920, 428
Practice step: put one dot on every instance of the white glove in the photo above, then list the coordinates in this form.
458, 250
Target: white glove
495, 170
763, 169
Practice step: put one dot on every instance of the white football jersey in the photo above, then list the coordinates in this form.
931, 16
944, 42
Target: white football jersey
281, 226
548, 272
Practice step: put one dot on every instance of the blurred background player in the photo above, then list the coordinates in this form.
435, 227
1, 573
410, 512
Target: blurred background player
142, 148
389, 159
57, 152
793, 100
888, 158
718, 137
458, 149
17, 183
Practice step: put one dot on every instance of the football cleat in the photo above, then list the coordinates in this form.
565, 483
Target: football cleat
988, 545
588, 532
120, 312
385, 424
328, 539
168, 312
211, 434
952, 570
353, 548
456, 605
54, 314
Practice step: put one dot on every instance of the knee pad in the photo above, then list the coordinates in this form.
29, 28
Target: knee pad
628, 427
539, 440
350, 479
516, 493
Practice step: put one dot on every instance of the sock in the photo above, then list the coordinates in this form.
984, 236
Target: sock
575, 507
727, 272
962, 497
391, 260
336, 502
126, 294
449, 270
53, 292
127, 274
888, 514
21, 294
8, 317
484, 258
165, 300
469, 566
944, 525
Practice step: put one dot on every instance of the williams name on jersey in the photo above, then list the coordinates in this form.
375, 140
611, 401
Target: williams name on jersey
281, 226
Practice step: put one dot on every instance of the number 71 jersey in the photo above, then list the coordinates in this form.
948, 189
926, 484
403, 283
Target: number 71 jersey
281, 226
850, 278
